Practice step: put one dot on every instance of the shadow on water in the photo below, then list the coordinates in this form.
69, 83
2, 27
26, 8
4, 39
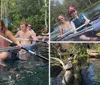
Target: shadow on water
34, 71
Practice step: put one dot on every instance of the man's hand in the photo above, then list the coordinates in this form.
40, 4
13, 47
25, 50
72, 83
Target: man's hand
60, 36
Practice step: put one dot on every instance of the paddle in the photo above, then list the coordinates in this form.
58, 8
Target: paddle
27, 49
94, 27
65, 34
69, 32
8, 22
9, 48
31, 39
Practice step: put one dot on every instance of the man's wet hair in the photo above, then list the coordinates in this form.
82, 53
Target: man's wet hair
23, 22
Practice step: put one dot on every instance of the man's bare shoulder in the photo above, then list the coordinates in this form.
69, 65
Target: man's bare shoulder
7, 32
19, 32
29, 32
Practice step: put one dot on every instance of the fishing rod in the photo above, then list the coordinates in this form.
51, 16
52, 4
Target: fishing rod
27, 49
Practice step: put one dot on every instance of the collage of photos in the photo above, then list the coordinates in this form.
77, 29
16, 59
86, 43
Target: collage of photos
49, 42
75, 42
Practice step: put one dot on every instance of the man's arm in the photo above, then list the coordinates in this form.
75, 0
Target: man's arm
60, 30
73, 27
11, 37
87, 20
33, 36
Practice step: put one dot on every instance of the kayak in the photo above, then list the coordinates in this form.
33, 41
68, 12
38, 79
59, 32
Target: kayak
95, 27
15, 54
28, 50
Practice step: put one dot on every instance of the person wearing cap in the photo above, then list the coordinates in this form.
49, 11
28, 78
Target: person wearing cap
79, 20
64, 27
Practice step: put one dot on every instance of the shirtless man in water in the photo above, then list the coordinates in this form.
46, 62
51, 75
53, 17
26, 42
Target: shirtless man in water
25, 35
4, 43
64, 27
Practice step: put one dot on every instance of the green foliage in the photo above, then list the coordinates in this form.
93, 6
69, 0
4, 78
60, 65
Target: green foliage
33, 11
79, 49
58, 8
75, 61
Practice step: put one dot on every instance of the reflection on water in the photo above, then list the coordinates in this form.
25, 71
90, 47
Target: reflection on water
31, 72
92, 11
96, 67
57, 80
92, 75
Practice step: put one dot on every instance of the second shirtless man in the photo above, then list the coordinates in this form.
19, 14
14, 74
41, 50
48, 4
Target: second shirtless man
25, 35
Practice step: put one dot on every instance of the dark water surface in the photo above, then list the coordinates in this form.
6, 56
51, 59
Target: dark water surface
91, 76
34, 71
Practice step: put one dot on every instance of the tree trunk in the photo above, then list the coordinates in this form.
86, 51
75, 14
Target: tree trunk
85, 4
90, 1
1, 9
46, 25
6, 11
39, 3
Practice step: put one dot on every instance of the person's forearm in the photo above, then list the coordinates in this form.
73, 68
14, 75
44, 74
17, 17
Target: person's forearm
86, 20
60, 31
34, 37
17, 42
73, 27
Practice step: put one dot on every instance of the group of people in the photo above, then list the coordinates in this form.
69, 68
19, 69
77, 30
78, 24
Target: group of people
73, 25
25, 35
